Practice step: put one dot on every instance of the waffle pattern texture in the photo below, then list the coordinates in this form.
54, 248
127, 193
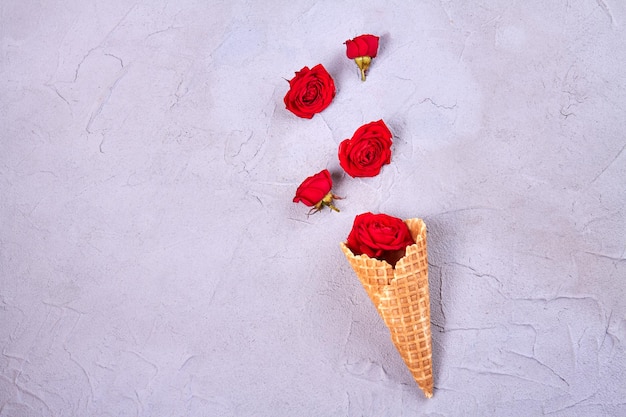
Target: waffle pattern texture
402, 299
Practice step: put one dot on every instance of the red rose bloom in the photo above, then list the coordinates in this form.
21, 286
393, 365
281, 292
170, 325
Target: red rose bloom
367, 151
379, 236
315, 192
310, 91
364, 45
362, 49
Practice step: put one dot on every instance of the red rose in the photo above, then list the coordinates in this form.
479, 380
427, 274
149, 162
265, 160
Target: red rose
362, 49
379, 236
367, 151
364, 45
315, 192
310, 91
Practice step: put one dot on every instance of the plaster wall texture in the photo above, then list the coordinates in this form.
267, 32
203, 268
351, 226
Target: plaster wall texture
152, 262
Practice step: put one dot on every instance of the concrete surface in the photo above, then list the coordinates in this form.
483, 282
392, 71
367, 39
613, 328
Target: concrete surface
152, 262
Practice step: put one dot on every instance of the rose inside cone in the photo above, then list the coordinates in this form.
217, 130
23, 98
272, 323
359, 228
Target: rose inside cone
379, 236
399, 292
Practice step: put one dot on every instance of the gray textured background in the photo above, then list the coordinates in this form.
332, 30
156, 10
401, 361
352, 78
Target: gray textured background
152, 262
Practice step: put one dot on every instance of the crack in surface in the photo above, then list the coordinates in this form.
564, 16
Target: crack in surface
439, 106
609, 164
167, 29
543, 365
600, 255
460, 210
607, 11
568, 406
494, 373
77, 70
118, 58
106, 98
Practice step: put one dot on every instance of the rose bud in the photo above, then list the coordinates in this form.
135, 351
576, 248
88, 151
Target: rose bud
315, 192
367, 151
362, 49
379, 236
310, 91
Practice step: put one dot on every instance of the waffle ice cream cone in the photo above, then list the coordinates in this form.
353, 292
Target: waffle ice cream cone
402, 299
